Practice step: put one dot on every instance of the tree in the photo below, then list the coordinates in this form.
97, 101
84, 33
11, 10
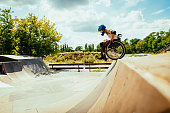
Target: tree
127, 46
62, 48
36, 37
86, 47
65, 47
6, 32
133, 43
98, 48
90, 48
141, 47
69, 49
79, 48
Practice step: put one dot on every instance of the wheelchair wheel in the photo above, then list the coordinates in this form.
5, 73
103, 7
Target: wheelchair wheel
115, 50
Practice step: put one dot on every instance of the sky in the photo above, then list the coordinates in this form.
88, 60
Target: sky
78, 20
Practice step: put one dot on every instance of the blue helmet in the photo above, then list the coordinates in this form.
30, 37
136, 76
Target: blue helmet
102, 28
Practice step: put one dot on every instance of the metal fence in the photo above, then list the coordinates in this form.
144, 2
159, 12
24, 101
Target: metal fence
80, 66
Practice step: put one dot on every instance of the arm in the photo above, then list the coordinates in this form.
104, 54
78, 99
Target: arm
113, 36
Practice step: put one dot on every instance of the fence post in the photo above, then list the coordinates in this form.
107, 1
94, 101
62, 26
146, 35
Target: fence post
89, 68
78, 68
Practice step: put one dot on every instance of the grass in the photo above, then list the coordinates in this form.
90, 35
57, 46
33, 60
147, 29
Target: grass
74, 57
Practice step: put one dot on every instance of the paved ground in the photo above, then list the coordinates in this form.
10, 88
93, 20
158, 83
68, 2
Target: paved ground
45, 90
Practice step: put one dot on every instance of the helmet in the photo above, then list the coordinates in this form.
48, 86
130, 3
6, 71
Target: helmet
102, 28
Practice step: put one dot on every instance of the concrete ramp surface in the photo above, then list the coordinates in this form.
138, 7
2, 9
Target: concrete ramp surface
130, 85
15, 73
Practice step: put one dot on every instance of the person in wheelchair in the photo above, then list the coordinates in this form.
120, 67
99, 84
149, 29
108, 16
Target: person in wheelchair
111, 34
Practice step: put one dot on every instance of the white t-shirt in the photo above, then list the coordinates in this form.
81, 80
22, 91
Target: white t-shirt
110, 35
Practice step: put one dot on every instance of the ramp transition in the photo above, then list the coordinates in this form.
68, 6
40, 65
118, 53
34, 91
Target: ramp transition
31, 64
131, 85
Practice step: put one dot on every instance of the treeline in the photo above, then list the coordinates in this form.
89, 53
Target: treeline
65, 48
88, 48
151, 44
27, 36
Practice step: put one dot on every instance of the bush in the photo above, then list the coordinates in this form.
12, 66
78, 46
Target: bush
88, 59
63, 59
79, 57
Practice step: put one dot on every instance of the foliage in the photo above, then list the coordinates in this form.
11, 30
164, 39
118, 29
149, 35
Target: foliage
98, 48
89, 48
65, 48
88, 59
72, 57
6, 32
151, 44
79, 48
28, 36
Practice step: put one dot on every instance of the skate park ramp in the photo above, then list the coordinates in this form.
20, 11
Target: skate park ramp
130, 85
32, 64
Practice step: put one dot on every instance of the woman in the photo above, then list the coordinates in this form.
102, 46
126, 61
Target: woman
111, 34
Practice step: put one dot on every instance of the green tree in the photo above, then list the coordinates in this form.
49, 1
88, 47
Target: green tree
62, 48
150, 41
90, 48
6, 32
98, 48
133, 43
86, 47
79, 48
65, 47
69, 49
36, 37
127, 46
141, 47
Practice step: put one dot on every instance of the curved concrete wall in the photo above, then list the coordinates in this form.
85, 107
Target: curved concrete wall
133, 87
131, 93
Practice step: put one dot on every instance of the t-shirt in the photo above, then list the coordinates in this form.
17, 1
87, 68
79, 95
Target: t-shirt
110, 34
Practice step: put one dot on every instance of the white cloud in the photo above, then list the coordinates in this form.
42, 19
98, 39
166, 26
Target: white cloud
106, 3
129, 3
45, 7
32, 7
79, 20
68, 4
19, 2
133, 25
20, 5
160, 11
128, 20
75, 39
78, 26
